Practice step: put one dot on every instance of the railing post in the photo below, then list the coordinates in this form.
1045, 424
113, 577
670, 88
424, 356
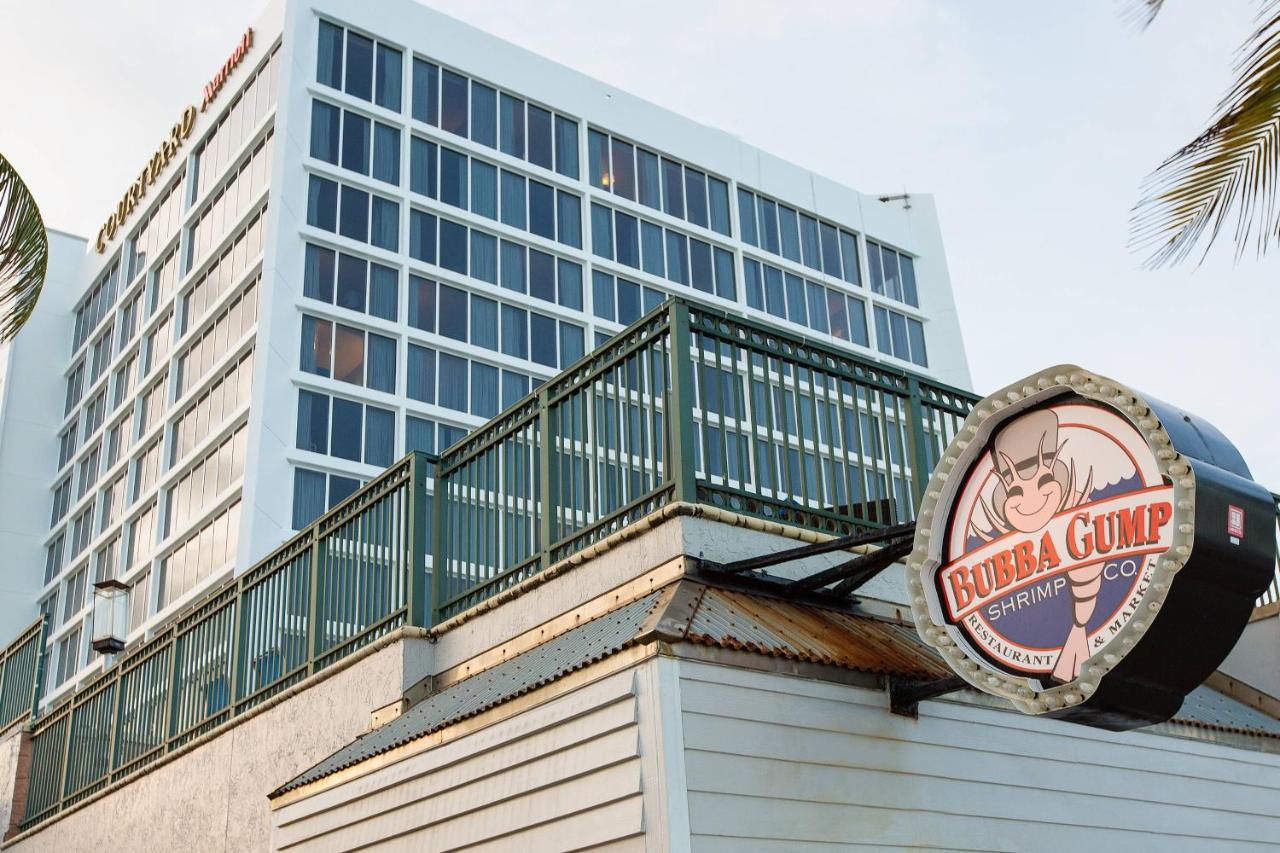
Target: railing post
42, 659
237, 640
680, 447
417, 587
171, 720
438, 557
921, 467
548, 486
313, 606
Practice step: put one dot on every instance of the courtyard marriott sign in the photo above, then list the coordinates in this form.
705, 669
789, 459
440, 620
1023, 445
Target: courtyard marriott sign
1087, 553
178, 134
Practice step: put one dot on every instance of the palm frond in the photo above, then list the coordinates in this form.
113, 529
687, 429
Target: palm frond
1229, 172
1141, 13
24, 251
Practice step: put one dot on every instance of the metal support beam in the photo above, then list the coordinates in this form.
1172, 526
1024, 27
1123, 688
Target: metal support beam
854, 573
839, 544
905, 695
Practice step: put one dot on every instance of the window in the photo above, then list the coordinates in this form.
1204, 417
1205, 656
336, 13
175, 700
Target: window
348, 354
808, 303
350, 282
484, 114
352, 218
329, 56
315, 492
371, 71
794, 235
511, 140
425, 106
892, 274
679, 258
453, 101
358, 80
387, 79
900, 336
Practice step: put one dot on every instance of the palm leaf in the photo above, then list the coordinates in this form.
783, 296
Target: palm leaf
1229, 173
24, 251
1142, 12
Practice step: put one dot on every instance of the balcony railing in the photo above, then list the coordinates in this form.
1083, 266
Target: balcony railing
687, 405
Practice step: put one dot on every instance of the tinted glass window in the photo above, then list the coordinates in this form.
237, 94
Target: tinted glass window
453, 178
542, 275
379, 436
386, 224
542, 210
322, 204
567, 147
672, 189
351, 283
453, 382
543, 339
453, 103
453, 312
426, 92
329, 56
313, 421
355, 214
540, 137
484, 114
386, 153
324, 131
513, 203
388, 80
511, 126
347, 429
453, 246
317, 277
422, 303
624, 169
359, 77
422, 167
695, 185
422, 236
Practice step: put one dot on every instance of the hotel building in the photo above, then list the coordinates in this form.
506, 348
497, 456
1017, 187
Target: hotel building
375, 229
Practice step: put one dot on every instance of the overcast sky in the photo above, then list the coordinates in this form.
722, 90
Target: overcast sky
1031, 123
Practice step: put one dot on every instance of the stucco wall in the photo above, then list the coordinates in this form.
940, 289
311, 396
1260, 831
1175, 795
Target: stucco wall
214, 798
10, 746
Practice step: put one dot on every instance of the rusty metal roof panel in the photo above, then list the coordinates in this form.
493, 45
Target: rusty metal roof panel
1207, 708
802, 632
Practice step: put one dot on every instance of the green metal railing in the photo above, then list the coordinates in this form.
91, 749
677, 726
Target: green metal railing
354, 575
21, 673
689, 404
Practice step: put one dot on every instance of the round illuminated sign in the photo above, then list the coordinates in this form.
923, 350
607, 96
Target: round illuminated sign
1053, 533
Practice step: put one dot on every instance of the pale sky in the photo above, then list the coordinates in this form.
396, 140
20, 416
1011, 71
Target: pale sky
1031, 123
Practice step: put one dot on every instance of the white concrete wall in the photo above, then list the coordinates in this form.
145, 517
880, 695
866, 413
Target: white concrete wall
776, 762
32, 395
214, 797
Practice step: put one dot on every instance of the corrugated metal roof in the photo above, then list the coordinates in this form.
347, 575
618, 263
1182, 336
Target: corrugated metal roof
725, 619
1207, 708
737, 620
572, 650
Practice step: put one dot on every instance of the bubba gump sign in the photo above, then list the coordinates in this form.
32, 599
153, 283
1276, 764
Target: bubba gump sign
178, 135
1050, 538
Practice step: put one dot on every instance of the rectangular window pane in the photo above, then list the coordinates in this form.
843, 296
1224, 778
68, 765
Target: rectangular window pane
453, 103
348, 429
677, 258
539, 137
818, 307
484, 390
849, 250
484, 189
628, 239
898, 326
513, 203
484, 322
598, 159
648, 185
830, 250
908, 270
383, 298
542, 275
317, 277
453, 246
453, 382
789, 226
915, 332
359, 77
426, 92
484, 114
858, 322
602, 295
329, 56
718, 198
700, 274
812, 256
354, 221
542, 210
514, 387
695, 186
386, 153
796, 312
382, 363
567, 147
325, 131
837, 311
348, 354
568, 219
419, 434
313, 421
322, 204
388, 81
755, 287
515, 331
672, 189
352, 277
513, 267
317, 346
747, 217
874, 274
379, 436
651, 255
385, 230
422, 167
724, 274
308, 497
422, 303
572, 343
569, 276
484, 257
511, 135
768, 213
624, 169
422, 236
543, 339
421, 381
883, 341
453, 312
628, 302
453, 178
601, 231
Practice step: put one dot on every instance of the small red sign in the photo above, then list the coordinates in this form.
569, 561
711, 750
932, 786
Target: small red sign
1235, 521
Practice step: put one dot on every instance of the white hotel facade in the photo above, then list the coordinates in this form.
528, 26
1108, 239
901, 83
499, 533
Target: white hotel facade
385, 228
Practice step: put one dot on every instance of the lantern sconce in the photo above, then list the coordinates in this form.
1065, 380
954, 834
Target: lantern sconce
110, 615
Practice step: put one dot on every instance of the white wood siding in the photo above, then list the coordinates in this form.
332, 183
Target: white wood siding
563, 775
777, 762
